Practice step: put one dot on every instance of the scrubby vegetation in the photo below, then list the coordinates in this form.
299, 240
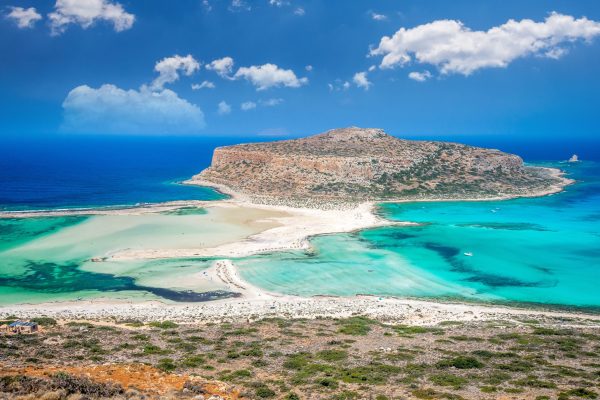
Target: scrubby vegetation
353, 358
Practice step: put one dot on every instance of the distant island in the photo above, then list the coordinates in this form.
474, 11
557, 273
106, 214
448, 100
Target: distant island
356, 164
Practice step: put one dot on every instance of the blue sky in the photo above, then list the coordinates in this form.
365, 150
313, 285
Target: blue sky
288, 67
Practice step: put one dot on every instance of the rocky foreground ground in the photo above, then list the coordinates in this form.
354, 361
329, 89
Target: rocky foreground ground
352, 358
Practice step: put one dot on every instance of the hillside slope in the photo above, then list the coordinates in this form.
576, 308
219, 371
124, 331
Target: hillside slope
355, 164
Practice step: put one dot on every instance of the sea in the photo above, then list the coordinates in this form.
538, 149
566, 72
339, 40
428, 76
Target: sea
536, 251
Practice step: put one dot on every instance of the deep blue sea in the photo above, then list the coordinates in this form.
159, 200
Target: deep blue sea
541, 250
83, 171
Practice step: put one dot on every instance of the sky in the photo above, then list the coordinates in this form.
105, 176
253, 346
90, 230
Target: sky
272, 68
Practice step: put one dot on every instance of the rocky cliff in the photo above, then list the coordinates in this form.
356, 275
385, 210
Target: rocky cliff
354, 164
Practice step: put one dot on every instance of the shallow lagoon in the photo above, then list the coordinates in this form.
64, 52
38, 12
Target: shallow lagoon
542, 250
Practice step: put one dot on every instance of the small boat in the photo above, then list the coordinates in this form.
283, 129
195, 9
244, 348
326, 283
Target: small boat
468, 254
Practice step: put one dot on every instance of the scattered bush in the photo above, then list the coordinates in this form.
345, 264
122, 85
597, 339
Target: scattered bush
44, 321
166, 364
460, 362
163, 324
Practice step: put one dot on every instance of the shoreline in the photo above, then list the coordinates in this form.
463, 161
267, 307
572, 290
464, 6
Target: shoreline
263, 305
292, 231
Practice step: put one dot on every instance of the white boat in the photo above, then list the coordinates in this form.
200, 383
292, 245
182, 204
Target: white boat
468, 254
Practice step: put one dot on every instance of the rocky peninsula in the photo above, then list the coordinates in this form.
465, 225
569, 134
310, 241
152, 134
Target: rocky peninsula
356, 165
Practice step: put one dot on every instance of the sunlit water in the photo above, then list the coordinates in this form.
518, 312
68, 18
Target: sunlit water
542, 250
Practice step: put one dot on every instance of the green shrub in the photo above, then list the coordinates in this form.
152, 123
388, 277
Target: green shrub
193, 361
460, 362
297, 361
163, 324
327, 383
448, 380
516, 366
153, 349
580, 392
534, 382
356, 326
44, 321
166, 364
333, 355
376, 374
264, 392
345, 395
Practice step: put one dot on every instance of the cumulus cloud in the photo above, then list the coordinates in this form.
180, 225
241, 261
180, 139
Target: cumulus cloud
223, 108
308, 68
203, 85
420, 76
168, 69
248, 105
455, 49
299, 11
222, 66
269, 75
360, 80
24, 17
109, 109
86, 12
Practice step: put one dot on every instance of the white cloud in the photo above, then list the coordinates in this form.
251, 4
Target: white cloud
279, 3
223, 108
556, 53
24, 17
270, 75
239, 5
203, 85
168, 69
299, 11
248, 105
86, 12
372, 68
454, 48
271, 102
420, 76
222, 66
308, 68
378, 17
360, 80
338, 85
110, 109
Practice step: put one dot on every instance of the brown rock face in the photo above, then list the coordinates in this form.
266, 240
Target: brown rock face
354, 164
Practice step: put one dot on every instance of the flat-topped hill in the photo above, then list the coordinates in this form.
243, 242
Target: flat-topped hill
355, 164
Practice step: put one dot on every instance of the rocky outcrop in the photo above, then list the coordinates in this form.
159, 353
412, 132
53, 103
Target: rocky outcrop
354, 164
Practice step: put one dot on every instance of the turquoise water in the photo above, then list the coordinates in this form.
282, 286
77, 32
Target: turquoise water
50, 259
540, 250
